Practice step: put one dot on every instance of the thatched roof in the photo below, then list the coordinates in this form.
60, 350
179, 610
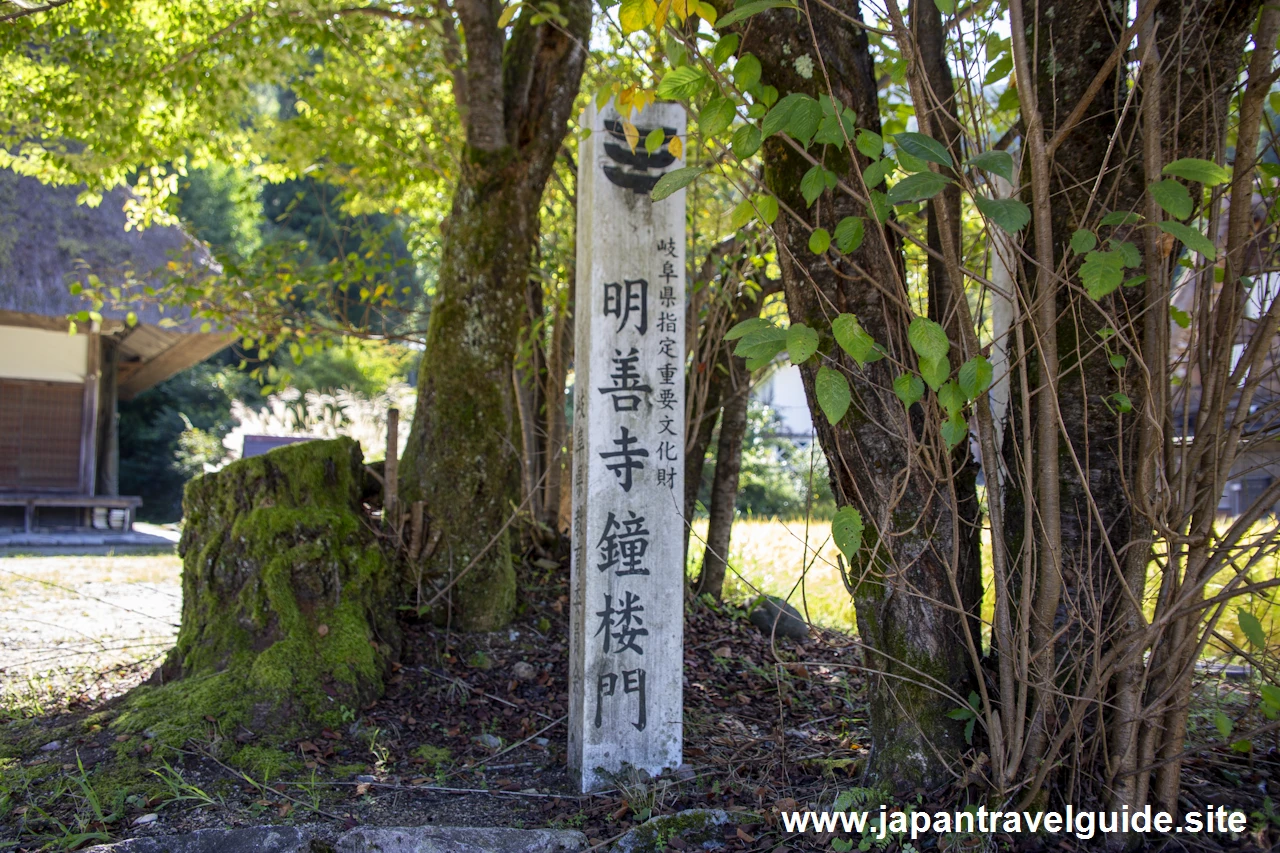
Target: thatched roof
48, 241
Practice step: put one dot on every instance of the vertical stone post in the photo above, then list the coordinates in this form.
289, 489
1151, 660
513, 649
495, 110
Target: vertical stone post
627, 588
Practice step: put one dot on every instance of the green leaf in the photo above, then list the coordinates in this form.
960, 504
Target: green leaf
911, 164
682, 84
1101, 273
954, 431
1128, 252
802, 343
1121, 217
917, 187
935, 371
1251, 628
742, 214
675, 180
746, 141
975, 376
749, 325
1118, 361
724, 49
850, 232
877, 171
998, 71
846, 531
853, 339
833, 130
762, 343
716, 116
1008, 213
815, 182
1198, 171
1271, 695
1123, 404
968, 730
797, 114
880, 208
653, 141
909, 388
1182, 318
804, 118
832, 391
870, 143
1083, 241
924, 147
1193, 239
927, 338
778, 117
746, 71
767, 208
1009, 99
1223, 724
755, 7
946, 7
819, 241
996, 162
1173, 197
951, 398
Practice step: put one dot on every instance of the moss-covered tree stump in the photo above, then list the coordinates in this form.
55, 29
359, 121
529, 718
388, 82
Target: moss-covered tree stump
288, 612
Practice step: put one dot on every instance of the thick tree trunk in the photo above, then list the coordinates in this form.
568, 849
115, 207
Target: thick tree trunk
911, 563
463, 456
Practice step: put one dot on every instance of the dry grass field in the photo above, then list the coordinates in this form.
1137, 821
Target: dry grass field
795, 560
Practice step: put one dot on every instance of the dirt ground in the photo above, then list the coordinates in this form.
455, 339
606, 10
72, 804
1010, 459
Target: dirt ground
462, 737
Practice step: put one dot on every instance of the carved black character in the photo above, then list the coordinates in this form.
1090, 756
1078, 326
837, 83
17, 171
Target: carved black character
637, 170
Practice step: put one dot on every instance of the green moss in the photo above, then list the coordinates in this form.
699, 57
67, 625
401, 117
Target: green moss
433, 755
287, 602
265, 763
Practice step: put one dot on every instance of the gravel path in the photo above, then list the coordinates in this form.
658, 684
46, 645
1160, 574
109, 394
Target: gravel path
64, 619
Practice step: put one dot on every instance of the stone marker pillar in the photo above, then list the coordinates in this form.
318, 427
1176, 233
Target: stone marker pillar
627, 589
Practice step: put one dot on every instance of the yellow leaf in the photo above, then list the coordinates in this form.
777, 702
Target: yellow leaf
635, 15
707, 12
676, 147
681, 8
633, 135
660, 18
508, 13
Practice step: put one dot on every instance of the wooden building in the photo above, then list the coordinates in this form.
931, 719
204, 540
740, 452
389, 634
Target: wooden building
58, 391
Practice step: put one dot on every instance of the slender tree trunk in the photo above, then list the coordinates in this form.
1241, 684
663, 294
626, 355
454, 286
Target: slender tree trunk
557, 371
724, 483
463, 453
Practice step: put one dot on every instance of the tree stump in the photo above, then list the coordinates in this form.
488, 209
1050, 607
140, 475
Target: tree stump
288, 613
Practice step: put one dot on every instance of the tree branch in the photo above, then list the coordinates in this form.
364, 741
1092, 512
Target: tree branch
24, 11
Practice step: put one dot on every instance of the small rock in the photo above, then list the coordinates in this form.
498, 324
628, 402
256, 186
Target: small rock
695, 827
51, 746
723, 652
524, 671
684, 773
366, 778
542, 741
488, 741
145, 819
769, 609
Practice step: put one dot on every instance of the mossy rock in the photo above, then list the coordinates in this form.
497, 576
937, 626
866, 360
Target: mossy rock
697, 828
288, 613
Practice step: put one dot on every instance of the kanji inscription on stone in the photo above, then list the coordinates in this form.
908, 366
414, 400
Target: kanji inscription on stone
627, 602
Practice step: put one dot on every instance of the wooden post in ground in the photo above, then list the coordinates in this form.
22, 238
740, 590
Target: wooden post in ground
391, 473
